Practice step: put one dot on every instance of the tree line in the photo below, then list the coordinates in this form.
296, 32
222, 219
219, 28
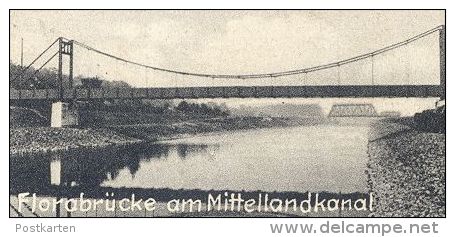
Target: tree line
47, 78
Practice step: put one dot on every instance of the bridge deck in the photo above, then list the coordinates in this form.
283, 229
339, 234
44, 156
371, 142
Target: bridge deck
232, 92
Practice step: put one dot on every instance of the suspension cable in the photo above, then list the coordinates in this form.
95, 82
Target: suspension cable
268, 75
36, 71
36, 59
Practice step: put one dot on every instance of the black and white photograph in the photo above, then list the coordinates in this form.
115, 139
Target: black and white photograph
227, 113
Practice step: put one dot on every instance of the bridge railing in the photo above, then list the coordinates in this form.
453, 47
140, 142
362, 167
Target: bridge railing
232, 92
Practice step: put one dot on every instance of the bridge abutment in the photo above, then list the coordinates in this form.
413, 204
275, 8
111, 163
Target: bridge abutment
64, 115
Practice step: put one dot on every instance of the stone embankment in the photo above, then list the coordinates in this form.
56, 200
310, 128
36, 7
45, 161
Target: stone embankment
407, 171
46, 139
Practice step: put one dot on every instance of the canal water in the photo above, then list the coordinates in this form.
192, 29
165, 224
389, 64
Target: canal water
318, 158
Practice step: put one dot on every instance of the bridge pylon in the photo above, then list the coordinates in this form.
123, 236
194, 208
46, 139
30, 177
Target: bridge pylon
65, 48
64, 113
442, 61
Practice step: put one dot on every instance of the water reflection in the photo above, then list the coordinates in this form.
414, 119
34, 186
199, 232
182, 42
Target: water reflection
88, 169
56, 171
299, 159
185, 150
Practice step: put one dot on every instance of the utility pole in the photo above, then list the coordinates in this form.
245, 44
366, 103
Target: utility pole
22, 53
22, 59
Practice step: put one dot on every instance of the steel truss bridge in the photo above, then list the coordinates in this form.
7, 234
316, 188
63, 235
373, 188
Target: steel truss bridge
352, 110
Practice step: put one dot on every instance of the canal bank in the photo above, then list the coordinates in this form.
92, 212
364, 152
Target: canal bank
406, 171
30, 140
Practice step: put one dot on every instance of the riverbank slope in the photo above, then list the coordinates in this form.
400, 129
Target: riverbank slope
406, 170
28, 140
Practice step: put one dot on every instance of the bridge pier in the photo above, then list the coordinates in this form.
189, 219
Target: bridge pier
64, 115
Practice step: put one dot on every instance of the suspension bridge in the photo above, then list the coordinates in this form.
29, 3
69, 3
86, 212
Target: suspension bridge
336, 84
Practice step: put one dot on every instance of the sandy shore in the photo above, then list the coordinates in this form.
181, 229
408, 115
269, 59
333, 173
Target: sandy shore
406, 171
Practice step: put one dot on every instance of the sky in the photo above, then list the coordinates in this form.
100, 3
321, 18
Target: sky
240, 42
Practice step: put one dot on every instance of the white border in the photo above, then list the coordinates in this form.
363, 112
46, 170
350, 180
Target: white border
204, 226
